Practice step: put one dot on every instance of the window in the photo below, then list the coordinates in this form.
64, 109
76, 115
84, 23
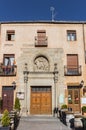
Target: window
71, 35
8, 67
72, 60
10, 35
41, 39
41, 33
72, 63
40, 89
72, 68
9, 59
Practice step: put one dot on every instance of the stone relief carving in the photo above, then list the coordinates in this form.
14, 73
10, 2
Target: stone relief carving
41, 64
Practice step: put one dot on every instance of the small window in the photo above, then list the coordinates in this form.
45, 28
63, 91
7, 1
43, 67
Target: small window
71, 35
10, 35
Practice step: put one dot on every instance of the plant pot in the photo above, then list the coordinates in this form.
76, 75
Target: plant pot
4, 128
78, 124
84, 113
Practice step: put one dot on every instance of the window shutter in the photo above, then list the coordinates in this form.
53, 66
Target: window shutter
72, 60
41, 36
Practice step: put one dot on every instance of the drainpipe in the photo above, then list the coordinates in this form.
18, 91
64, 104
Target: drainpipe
84, 42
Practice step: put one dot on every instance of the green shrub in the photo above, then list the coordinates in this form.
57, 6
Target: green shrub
84, 109
17, 104
5, 120
64, 106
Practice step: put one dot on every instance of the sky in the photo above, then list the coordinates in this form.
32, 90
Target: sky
41, 10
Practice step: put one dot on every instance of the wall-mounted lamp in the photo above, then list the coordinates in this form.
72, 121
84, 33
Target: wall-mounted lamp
14, 84
81, 83
84, 91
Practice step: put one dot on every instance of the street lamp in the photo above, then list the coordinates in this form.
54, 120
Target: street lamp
14, 84
26, 72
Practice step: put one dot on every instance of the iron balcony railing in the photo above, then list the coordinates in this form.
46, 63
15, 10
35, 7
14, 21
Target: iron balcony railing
8, 70
41, 42
72, 70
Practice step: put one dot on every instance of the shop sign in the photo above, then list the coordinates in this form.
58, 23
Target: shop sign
61, 98
20, 95
83, 100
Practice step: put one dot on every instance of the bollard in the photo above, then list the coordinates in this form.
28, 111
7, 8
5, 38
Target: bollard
55, 111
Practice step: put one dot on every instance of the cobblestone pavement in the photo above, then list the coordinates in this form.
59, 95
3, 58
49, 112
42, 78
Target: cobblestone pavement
41, 123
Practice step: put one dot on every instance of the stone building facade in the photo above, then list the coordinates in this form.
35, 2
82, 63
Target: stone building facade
46, 60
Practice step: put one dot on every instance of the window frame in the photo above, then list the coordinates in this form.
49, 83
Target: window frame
10, 35
71, 35
9, 56
73, 67
41, 39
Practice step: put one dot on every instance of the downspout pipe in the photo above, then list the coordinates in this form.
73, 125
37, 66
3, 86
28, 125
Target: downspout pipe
84, 42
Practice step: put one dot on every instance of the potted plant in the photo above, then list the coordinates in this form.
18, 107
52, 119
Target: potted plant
17, 108
84, 110
5, 120
17, 105
64, 106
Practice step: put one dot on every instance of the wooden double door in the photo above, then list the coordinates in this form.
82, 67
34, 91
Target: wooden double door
7, 97
41, 101
74, 98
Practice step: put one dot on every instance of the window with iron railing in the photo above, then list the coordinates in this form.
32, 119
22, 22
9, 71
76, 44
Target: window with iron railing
72, 70
72, 67
41, 39
8, 67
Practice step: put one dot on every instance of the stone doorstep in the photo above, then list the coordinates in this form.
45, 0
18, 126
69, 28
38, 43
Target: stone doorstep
39, 118
36, 119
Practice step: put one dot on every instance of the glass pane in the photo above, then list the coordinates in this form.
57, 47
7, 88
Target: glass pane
68, 37
76, 97
73, 37
12, 60
6, 61
12, 37
40, 89
70, 98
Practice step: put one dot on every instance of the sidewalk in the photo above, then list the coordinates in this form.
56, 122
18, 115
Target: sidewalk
41, 123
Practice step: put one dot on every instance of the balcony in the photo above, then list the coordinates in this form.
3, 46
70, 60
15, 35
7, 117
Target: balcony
41, 42
72, 70
8, 70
